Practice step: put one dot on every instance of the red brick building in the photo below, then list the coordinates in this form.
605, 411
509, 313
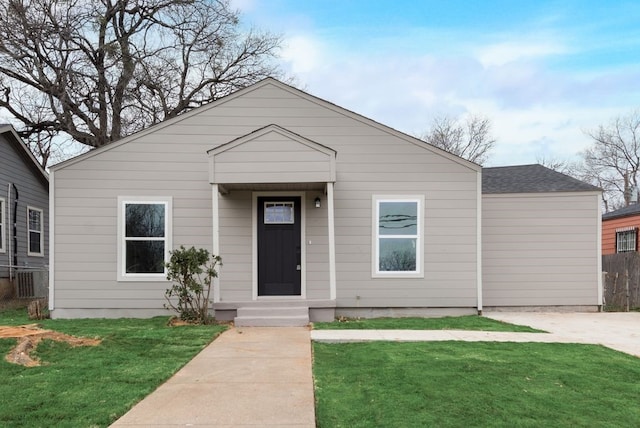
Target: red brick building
620, 230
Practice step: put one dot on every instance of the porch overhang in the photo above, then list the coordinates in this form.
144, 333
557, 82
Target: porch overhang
272, 158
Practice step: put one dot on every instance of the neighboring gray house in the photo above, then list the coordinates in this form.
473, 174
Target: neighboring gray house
24, 215
315, 210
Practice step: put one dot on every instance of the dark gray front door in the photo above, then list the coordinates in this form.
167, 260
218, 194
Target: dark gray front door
279, 257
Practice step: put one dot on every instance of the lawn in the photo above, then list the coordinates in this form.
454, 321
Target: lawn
481, 384
93, 386
470, 322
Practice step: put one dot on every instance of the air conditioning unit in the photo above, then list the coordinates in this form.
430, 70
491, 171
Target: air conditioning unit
32, 284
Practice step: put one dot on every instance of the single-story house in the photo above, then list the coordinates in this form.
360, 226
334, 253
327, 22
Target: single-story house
620, 230
24, 219
316, 211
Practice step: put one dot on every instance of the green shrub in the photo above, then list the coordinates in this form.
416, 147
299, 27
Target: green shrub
192, 272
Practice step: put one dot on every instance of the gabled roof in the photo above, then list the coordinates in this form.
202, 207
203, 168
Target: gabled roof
269, 129
320, 159
633, 209
273, 82
530, 179
9, 132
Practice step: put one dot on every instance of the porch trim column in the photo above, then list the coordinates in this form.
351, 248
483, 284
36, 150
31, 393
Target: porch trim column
215, 243
332, 242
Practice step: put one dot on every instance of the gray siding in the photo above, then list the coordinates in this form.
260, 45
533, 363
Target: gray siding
540, 249
272, 156
171, 160
33, 191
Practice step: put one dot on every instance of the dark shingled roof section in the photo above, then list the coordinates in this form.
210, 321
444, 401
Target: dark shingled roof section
633, 209
530, 179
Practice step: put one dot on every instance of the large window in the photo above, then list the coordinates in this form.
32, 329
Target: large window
3, 227
626, 239
145, 232
35, 234
397, 236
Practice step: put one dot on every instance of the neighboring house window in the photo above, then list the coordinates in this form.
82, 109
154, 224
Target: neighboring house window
144, 226
3, 228
397, 236
35, 235
626, 239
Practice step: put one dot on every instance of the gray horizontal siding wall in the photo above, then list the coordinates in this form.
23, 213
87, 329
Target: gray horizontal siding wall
33, 192
172, 161
540, 249
272, 158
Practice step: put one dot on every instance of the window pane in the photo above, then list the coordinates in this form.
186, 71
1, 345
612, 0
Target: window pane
34, 242
145, 257
278, 213
626, 241
144, 220
34, 220
397, 255
398, 218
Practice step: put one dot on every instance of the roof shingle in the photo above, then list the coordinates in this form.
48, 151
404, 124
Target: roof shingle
633, 209
530, 179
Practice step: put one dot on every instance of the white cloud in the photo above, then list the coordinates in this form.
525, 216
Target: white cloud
502, 53
303, 54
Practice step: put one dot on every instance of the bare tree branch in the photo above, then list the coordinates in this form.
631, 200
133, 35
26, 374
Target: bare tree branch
613, 160
470, 139
99, 70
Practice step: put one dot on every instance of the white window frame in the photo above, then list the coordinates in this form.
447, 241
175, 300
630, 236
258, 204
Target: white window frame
3, 226
122, 241
41, 232
626, 245
419, 236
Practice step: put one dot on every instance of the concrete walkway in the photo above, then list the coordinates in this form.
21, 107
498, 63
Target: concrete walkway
615, 330
247, 377
619, 331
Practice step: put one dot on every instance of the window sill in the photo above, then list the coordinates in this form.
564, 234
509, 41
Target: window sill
398, 275
143, 278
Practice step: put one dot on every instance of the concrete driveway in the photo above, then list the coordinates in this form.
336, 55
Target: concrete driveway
616, 330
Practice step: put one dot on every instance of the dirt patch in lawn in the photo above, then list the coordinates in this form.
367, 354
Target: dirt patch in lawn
29, 336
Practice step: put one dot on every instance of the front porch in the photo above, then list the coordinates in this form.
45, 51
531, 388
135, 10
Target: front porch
273, 225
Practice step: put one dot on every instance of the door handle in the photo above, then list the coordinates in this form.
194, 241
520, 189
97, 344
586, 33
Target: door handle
298, 267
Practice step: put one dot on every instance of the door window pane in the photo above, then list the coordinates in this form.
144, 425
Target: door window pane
278, 213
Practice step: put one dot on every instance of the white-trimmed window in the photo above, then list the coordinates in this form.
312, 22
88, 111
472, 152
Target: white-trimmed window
3, 227
35, 234
397, 232
626, 239
144, 232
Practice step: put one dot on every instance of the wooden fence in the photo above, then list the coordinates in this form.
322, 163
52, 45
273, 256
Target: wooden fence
621, 281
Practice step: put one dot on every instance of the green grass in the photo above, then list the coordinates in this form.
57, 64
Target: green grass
482, 384
93, 386
470, 322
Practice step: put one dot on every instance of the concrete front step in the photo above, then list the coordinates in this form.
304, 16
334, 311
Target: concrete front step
272, 317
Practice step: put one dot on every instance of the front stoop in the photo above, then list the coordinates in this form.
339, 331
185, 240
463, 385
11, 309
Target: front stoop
297, 316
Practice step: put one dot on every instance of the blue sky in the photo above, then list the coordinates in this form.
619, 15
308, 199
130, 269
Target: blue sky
543, 71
